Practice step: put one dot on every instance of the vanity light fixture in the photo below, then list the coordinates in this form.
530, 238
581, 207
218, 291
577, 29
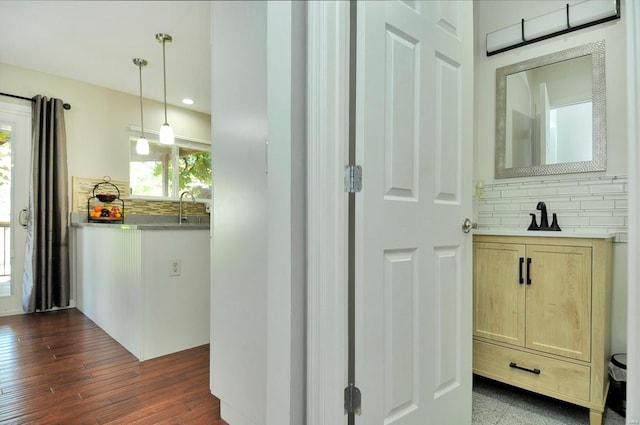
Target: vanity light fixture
142, 145
562, 21
166, 132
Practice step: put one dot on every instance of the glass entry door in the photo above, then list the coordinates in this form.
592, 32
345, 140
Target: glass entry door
15, 159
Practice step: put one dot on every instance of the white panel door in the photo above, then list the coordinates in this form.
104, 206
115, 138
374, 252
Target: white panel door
413, 262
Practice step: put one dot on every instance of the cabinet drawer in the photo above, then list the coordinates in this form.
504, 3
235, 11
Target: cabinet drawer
555, 378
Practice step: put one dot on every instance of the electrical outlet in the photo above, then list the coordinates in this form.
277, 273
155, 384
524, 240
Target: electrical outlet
176, 268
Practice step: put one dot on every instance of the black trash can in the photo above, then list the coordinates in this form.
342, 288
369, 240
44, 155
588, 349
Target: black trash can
617, 399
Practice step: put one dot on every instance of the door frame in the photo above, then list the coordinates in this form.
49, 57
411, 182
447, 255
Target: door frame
23, 113
633, 112
328, 64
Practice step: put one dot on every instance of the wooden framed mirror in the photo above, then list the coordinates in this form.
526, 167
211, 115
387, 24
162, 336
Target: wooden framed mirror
551, 114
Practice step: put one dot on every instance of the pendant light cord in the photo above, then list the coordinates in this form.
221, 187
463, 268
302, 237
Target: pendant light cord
164, 72
166, 132
141, 113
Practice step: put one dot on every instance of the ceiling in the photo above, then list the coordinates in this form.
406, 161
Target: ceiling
96, 41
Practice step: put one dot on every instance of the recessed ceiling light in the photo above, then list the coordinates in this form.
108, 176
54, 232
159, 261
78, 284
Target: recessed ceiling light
187, 101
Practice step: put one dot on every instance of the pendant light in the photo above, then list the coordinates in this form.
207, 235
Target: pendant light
142, 146
166, 132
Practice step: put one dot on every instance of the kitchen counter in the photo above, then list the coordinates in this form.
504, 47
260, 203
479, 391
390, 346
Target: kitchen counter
149, 290
146, 226
145, 222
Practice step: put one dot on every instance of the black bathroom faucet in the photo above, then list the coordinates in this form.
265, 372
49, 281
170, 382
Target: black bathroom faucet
544, 220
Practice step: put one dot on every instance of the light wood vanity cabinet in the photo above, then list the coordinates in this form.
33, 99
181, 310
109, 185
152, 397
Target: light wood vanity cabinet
541, 315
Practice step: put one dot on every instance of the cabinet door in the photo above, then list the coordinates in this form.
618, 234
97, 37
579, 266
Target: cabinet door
558, 301
498, 295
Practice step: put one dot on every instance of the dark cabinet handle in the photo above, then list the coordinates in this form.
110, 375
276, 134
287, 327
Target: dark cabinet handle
528, 271
520, 278
515, 366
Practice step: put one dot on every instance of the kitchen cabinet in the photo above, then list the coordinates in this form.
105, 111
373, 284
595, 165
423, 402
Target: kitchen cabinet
541, 315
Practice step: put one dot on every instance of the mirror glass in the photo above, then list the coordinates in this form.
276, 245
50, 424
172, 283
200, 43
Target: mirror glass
550, 114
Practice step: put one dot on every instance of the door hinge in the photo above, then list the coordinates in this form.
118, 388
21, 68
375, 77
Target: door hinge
352, 178
352, 400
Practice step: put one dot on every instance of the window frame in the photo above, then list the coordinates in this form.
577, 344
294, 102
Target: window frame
180, 141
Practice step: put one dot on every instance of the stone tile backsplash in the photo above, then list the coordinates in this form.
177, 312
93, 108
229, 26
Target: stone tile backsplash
582, 204
83, 189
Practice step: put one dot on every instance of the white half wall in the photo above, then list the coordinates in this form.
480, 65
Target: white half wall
175, 313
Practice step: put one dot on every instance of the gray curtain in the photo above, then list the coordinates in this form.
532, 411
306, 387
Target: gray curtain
45, 282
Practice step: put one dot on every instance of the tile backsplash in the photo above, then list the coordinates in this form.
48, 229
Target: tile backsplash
83, 189
581, 204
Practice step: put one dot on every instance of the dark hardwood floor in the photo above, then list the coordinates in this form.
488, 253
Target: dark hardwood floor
60, 368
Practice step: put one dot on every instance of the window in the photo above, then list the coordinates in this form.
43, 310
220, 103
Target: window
154, 175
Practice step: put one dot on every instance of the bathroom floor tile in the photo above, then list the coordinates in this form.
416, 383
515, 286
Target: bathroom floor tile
495, 403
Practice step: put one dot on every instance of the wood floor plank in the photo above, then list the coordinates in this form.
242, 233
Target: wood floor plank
60, 368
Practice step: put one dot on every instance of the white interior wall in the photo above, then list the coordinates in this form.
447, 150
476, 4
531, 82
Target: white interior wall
491, 15
258, 265
240, 215
97, 124
572, 82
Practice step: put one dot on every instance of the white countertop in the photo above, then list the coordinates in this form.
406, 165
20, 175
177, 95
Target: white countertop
539, 233
146, 226
143, 222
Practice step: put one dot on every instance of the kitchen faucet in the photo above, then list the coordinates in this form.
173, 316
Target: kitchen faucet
180, 217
